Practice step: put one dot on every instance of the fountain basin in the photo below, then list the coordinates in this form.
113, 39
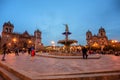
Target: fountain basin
67, 42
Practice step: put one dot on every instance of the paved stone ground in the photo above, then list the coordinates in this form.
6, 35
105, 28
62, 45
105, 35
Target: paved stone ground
42, 66
1, 78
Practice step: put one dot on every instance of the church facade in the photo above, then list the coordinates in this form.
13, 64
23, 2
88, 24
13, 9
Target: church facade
22, 41
100, 39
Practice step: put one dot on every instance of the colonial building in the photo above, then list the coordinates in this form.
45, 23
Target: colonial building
97, 40
23, 41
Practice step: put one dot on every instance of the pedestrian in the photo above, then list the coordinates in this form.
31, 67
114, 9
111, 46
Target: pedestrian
32, 53
84, 53
4, 51
16, 50
29, 50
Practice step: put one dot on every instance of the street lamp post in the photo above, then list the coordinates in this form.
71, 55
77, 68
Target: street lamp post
29, 42
114, 43
14, 40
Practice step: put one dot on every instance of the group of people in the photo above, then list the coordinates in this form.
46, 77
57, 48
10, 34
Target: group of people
31, 51
5, 51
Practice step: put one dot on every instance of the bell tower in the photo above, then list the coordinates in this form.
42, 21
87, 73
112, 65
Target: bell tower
37, 35
103, 38
8, 27
101, 32
6, 32
88, 35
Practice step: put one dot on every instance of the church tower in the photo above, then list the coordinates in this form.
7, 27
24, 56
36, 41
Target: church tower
6, 32
8, 27
88, 37
101, 32
37, 35
103, 38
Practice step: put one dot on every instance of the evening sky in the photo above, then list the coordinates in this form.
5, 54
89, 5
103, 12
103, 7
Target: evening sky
49, 16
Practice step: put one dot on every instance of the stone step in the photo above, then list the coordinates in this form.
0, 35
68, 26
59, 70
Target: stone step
101, 76
8, 75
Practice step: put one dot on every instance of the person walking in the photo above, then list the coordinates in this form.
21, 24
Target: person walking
32, 53
16, 50
4, 51
84, 53
29, 50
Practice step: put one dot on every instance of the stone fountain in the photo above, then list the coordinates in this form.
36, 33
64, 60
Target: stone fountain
67, 42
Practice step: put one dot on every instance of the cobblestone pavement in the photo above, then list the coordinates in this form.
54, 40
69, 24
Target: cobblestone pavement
42, 66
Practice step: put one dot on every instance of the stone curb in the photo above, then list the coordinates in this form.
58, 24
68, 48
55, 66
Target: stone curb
17, 73
73, 76
69, 57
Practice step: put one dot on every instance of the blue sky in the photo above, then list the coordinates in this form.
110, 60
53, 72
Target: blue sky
49, 16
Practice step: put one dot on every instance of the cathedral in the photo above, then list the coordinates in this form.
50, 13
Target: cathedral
100, 39
22, 41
